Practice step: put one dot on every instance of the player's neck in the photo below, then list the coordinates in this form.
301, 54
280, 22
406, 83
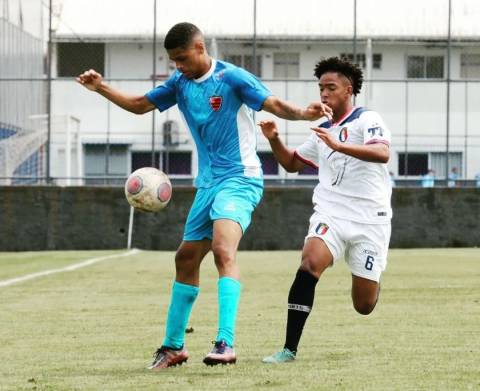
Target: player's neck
340, 114
207, 65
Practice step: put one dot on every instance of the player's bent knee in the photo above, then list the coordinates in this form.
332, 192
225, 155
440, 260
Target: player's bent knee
312, 266
183, 256
185, 260
222, 254
364, 307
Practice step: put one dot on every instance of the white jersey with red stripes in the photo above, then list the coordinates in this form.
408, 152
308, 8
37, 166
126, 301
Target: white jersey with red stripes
350, 188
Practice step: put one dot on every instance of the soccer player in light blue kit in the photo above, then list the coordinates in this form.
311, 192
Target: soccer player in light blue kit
216, 99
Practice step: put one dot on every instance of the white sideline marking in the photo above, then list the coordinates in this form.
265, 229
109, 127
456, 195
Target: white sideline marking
69, 268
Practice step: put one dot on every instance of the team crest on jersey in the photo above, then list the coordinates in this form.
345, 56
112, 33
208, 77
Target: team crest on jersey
216, 102
343, 135
321, 229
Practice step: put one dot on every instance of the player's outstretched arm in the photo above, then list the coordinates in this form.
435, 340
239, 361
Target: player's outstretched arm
93, 81
375, 153
285, 156
287, 110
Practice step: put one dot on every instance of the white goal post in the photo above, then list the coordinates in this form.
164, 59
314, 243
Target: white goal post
23, 152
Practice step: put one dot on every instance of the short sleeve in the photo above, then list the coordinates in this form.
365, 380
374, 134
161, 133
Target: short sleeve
164, 96
374, 129
308, 151
248, 88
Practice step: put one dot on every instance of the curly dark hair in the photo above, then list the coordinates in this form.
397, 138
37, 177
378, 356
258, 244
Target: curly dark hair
180, 35
343, 66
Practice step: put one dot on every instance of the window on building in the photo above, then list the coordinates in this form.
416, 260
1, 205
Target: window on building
438, 162
177, 162
269, 163
308, 170
361, 59
235, 59
144, 159
425, 67
413, 163
470, 66
173, 162
245, 61
248, 65
286, 65
418, 163
377, 60
73, 58
103, 162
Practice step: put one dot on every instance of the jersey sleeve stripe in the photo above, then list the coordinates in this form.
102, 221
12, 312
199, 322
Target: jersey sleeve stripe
378, 142
306, 161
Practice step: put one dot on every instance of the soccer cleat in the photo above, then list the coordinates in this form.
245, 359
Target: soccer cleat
284, 355
220, 354
166, 357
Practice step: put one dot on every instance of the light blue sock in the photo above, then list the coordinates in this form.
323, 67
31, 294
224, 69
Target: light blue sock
181, 303
228, 298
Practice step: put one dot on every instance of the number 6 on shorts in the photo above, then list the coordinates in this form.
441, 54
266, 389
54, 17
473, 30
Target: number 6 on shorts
369, 262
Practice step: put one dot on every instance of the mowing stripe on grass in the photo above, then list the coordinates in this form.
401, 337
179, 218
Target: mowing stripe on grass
69, 268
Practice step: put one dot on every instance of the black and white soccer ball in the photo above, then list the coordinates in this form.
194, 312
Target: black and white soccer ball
148, 189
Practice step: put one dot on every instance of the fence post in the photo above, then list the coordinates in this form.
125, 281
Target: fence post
49, 90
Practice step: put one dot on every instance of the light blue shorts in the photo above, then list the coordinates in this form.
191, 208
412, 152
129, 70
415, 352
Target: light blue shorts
233, 199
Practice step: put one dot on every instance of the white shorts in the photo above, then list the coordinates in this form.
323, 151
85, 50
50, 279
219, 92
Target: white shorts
365, 246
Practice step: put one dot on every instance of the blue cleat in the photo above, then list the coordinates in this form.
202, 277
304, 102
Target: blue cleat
282, 356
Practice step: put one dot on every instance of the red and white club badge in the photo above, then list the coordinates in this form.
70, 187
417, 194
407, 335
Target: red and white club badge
216, 102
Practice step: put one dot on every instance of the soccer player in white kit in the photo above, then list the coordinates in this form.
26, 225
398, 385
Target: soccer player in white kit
351, 201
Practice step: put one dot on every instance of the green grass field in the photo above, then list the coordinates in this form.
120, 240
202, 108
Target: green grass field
96, 328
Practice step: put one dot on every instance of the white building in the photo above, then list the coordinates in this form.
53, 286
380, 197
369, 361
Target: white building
401, 45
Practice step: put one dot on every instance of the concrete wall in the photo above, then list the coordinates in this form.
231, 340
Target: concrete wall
56, 218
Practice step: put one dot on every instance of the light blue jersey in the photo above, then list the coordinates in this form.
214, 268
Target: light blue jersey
217, 109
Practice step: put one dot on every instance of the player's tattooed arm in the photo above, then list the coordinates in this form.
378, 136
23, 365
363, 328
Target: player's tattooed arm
287, 110
285, 156
375, 152
93, 81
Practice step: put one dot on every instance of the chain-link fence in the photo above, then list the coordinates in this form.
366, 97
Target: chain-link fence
22, 92
423, 78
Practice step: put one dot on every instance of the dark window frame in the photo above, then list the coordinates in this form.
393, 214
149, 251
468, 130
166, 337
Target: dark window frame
427, 70
270, 165
377, 59
308, 170
73, 58
417, 163
144, 159
245, 61
285, 64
